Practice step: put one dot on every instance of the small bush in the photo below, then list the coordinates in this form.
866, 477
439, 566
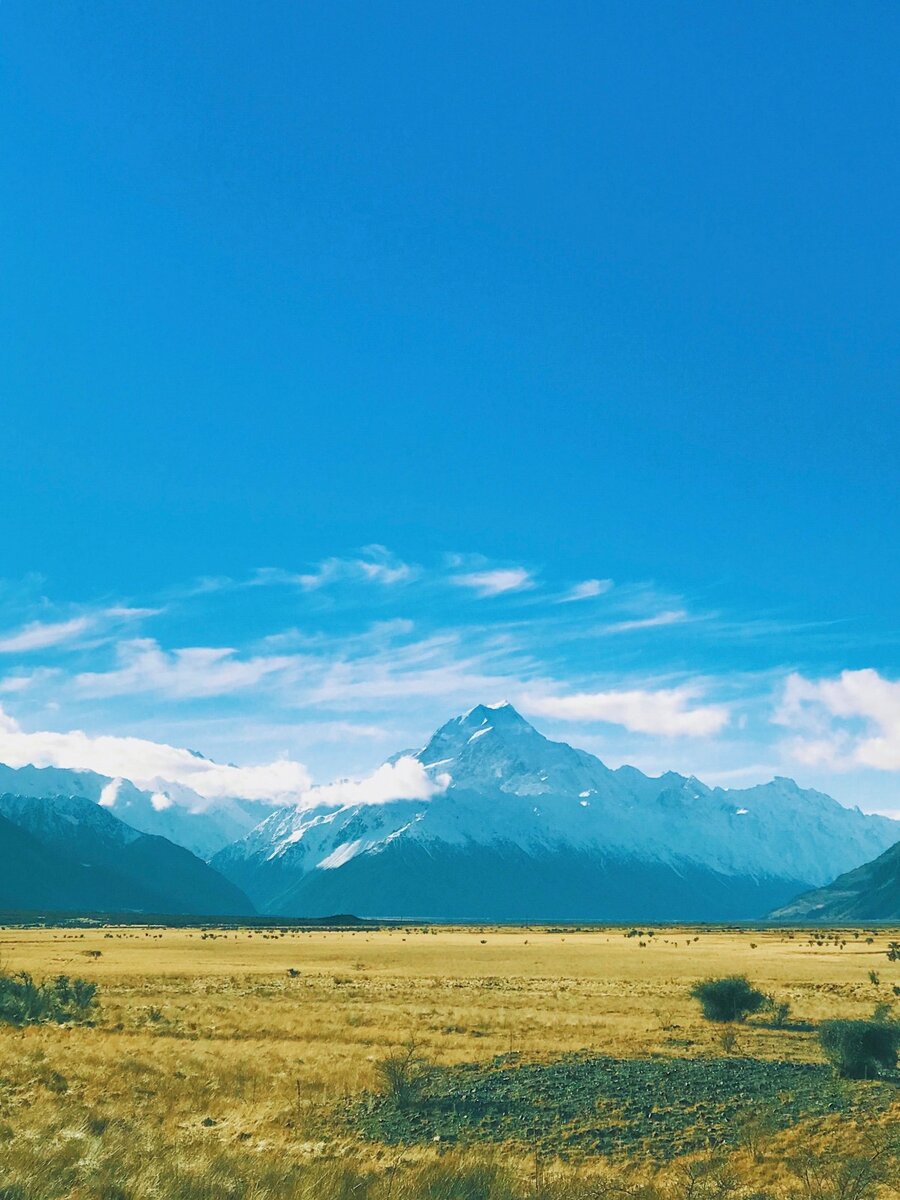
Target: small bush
728, 1039
860, 1049
779, 1011
59, 1000
732, 998
400, 1076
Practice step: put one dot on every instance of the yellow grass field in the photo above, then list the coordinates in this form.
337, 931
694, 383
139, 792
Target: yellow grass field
220, 1061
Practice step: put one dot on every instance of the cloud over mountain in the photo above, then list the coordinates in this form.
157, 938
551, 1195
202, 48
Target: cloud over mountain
146, 763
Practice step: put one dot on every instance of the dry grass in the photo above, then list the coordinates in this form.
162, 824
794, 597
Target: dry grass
218, 1060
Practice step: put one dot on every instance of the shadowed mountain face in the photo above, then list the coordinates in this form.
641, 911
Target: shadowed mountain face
868, 893
68, 854
531, 829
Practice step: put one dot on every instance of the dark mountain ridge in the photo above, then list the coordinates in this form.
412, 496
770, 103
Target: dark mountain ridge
68, 854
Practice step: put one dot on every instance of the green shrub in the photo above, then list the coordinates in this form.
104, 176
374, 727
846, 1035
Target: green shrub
731, 998
59, 1000
860, 1049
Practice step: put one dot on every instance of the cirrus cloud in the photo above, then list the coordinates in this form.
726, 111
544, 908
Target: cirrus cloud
586, 590
191, 672
495, 582
667, 711
671, 616
41, 635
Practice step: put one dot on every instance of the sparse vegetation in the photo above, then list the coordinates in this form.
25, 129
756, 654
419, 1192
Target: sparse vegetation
597, 1105
546, 1065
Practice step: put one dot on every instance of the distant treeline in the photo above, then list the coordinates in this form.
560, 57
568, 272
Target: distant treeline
91, 920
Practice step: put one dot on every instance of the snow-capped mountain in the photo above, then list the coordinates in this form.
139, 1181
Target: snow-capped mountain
168, 810
69, 854
525, 828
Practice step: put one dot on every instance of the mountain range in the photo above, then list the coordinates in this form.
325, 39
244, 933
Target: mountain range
529, 829
517, 828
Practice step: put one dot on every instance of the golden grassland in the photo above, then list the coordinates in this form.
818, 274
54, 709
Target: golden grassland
220, 1060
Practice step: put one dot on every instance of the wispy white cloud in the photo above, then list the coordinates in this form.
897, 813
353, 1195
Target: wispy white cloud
586, 590
384, 573
495, 582
194, 671
374, 564
666, 711
24, 680
102, 620
41, 635
127, 612
442, 666
852, 719
672, 616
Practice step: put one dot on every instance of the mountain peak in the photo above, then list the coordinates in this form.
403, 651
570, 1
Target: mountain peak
501, 715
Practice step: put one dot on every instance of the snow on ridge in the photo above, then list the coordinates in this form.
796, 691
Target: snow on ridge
341, 855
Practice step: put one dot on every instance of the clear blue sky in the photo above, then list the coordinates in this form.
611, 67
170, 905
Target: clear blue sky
594, 291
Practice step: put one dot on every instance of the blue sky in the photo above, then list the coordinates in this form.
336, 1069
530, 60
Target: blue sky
313, 314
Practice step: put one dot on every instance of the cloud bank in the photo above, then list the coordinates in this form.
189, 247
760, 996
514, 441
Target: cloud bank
852, 719
147, 763
404, 779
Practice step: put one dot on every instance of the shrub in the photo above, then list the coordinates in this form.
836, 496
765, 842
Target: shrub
779, 1011
400, 1076
59, 1000
728, 1039
860, 1049
732, 998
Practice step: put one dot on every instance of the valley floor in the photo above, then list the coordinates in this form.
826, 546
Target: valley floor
236, 1062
